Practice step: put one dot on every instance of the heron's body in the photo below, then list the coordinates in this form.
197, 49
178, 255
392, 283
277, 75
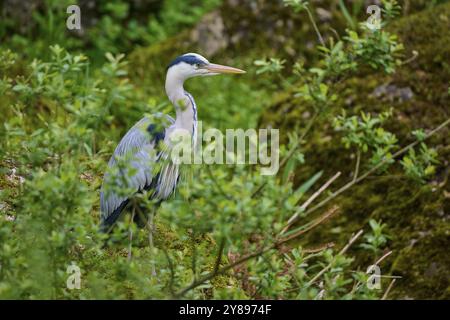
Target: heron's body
139, 145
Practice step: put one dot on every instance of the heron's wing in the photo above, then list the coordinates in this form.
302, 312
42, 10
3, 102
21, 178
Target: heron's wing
135, 153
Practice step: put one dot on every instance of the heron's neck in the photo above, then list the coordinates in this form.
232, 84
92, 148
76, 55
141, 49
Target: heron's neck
184, 103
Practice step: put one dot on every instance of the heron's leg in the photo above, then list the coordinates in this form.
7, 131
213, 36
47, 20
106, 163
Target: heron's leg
130, 232
151, 230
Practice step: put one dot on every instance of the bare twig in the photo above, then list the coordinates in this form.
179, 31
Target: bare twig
219, 271
319, 192
376, 167
313, 22
357, 284
411, 59
309, 201
338, 37
388, 289
194, 256
347, 246
327, 215
387, 254
319, 248
358, 160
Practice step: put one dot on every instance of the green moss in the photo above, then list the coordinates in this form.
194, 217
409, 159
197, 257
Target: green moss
417, 216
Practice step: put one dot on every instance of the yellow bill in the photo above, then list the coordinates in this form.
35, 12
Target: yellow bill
217, 68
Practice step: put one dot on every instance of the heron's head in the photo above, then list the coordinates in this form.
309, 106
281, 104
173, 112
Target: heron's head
192, 65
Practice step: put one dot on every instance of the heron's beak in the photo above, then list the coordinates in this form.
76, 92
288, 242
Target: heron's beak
217, 68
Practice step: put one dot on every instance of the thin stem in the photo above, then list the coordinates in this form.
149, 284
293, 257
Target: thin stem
411, 59
348, 245
320, 191
222, 270
358, 283
387, 254
300, 139
358, 160
311, 18
309, 201
218, 271
327, 215
219, 255
388, 289
375, 168
276, 244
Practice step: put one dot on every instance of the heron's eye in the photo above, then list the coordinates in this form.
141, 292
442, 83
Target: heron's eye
197, 66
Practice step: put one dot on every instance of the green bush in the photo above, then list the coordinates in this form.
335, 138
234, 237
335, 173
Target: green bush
229, 232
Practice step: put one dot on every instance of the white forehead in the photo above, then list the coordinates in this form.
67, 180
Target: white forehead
198, 56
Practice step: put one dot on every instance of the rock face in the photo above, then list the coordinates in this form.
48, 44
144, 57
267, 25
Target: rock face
243, 28
417, 216
210, 34
238, 26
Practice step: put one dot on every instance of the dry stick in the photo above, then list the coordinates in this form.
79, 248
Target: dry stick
329, 265
388, 290
357, 283
375, 168
327, 215
321, 272
318, 192
217, 271
309, 201
358, 160
387, 254
315, 26
411, 59
319, 249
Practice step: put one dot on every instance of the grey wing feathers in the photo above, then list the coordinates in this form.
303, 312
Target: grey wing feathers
138, 143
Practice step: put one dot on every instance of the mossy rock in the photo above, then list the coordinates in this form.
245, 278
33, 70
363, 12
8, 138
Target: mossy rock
416, 216
239, 29
247, 28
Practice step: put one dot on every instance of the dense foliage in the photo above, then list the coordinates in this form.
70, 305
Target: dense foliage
229, 232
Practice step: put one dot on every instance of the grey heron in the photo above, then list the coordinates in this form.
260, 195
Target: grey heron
139, 143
